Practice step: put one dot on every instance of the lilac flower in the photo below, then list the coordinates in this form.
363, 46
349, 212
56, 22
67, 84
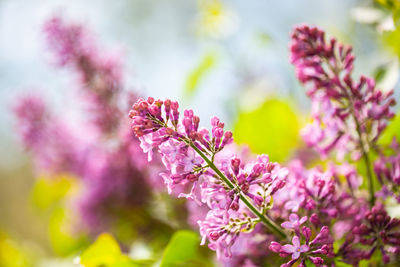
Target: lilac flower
177, 143
294, 222
295, 250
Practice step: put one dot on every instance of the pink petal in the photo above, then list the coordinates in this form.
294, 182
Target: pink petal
293, 217
287, 225
296, 241
292, 205
289, 249
295, 255
304, 248
303, 219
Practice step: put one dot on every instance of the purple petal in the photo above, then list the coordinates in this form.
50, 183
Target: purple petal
292, 205
293, 217
303, 219
287, 225
289, 249
295, 255
304, 248
296, 241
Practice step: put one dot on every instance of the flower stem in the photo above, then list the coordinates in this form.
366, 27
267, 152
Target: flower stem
270, 224
364, 153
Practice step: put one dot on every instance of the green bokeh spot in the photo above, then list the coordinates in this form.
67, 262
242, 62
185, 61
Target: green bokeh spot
273, 129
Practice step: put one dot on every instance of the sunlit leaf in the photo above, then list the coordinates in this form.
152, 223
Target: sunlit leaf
339, 263
392, 40
273, 128
48, 191
387, 75
182, 250
388, 3
198, 74
392, 130
396, 16
63, 238
11, 254
105, 252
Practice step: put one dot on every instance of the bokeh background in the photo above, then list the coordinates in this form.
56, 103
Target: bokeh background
224, 58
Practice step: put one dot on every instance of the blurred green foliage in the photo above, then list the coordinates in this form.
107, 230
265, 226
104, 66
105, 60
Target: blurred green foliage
49, 191
12, 254
105, 252
183, 250
392, 40
49, 195
199, 73
273, 128
64, 240
392, 130
391, 4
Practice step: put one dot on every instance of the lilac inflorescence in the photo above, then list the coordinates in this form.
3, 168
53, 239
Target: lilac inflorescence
103, 154
348, 116
99, 72
189, 154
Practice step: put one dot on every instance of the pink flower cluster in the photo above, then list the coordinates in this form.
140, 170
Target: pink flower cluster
227, 185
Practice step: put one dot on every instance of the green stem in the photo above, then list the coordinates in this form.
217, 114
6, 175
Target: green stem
364, 153
369, 176
270, 224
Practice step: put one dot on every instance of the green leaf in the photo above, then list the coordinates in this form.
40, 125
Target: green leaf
390, 4
182, 250
387, 75
396, 16
272, 129
339, 263
199, 73
392, 39
392, 130
13, 254
62, 238
49, 191
105, 252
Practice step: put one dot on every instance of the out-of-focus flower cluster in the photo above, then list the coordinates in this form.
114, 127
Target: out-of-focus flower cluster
101, 151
